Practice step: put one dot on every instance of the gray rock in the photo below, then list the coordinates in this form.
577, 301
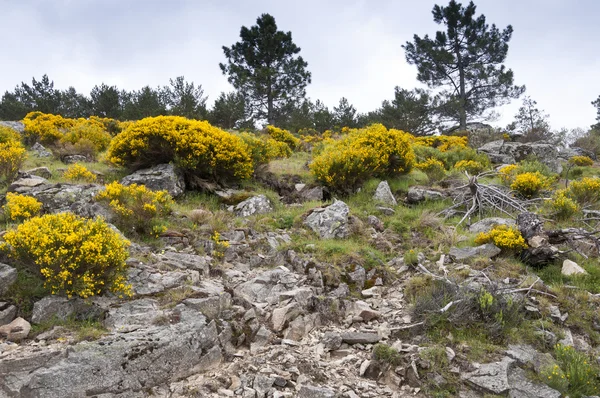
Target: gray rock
43, 172
120, 363
255, 205
146, 279
522, 387
568, 153
386, 210
376, 223
331, 341
360, 338
63, 308
512, 152
283, 315
572, 268
491, 377
176, 260
384, 194
489, 223
7, 313
158, 178
331, 221
40, 151
312, 194
523, 354
307, 391
71, 159
8, 276
18, 126
418, 194
488, 250
211, 307
15, 331
266, 286
24, 185
358, 276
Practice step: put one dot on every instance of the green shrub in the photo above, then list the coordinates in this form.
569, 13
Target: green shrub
574, 374
76, 256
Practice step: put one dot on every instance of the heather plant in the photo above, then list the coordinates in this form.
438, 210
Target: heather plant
506, 238
20, 207
77, 172
137, 208
196, 147
373, 151
76, 256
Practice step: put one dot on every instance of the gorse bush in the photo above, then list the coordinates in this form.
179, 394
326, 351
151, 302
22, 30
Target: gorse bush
196, 147
433, 168
45, 127
9, 135
443, 143
264, 149
87, 133
529, 184
374, 151
77, 172
21, 207
76, 256
282, 135
470, 166
12, 156
506, 238
452, 156
561, 206
582, 161
585, 191
137, 208
507, 173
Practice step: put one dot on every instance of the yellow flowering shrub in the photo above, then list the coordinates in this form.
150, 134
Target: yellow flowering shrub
196, 147
88, 131
507, 173
529, 184
471, 166
442, 142
582, 161
21, 207
433, 168
585, 191
77, 172
373, 151
264, 149
12, 156
282, 135
507, 238
9, 135
561, 205
137, 207
76, 256
45, 127
112, 126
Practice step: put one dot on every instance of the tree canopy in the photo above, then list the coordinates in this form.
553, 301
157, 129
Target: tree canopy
465, 61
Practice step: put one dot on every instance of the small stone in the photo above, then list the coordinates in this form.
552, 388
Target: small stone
315, 392
384, 194
15, 331
360, 338
386, 210
331, 341
488, 250
376, 223
331, 221
572, 268
255, 205
7, 314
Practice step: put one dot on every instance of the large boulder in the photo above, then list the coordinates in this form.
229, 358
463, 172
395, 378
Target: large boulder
162, 177
331, 221
259, 204
491, 378
384, 195
8, 276
267, 286
17, 126
504, 152
568, 153
16, 331
62, 308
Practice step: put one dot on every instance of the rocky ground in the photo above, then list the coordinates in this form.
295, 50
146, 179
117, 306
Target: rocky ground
261, 316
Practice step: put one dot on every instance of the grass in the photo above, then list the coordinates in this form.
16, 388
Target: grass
82, 330
294, 165
551, 275
28, 289
575, 374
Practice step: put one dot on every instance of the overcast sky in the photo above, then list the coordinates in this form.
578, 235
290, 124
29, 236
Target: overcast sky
353, 48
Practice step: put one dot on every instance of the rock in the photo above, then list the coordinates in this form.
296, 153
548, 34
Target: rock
8, 276
363, 310
383, 194
358, 276
43, 172
523, 354
331, 221
360, 338
512, 152
211, 307
18, 126
7, 313
70, 159
488, 250
62, 308
568, 153
40, 151
15, 331
316, 194
281, 316
572, 268
121, 364
255, 205
419, 194
489, 223
146, 279
315, 392
176, 260
331, 341
386, 210
23, 185
158, 178
522, 387
266, 286
491, 377
376, 223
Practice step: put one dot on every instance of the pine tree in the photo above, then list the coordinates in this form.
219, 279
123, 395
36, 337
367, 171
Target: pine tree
265, 67
597, 105
531, 123
106, 101
344, 115
466, 61
185, 99
229, 111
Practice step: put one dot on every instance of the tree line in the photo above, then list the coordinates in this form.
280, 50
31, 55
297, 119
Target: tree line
462, 66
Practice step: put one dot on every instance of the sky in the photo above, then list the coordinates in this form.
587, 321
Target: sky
353, 48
